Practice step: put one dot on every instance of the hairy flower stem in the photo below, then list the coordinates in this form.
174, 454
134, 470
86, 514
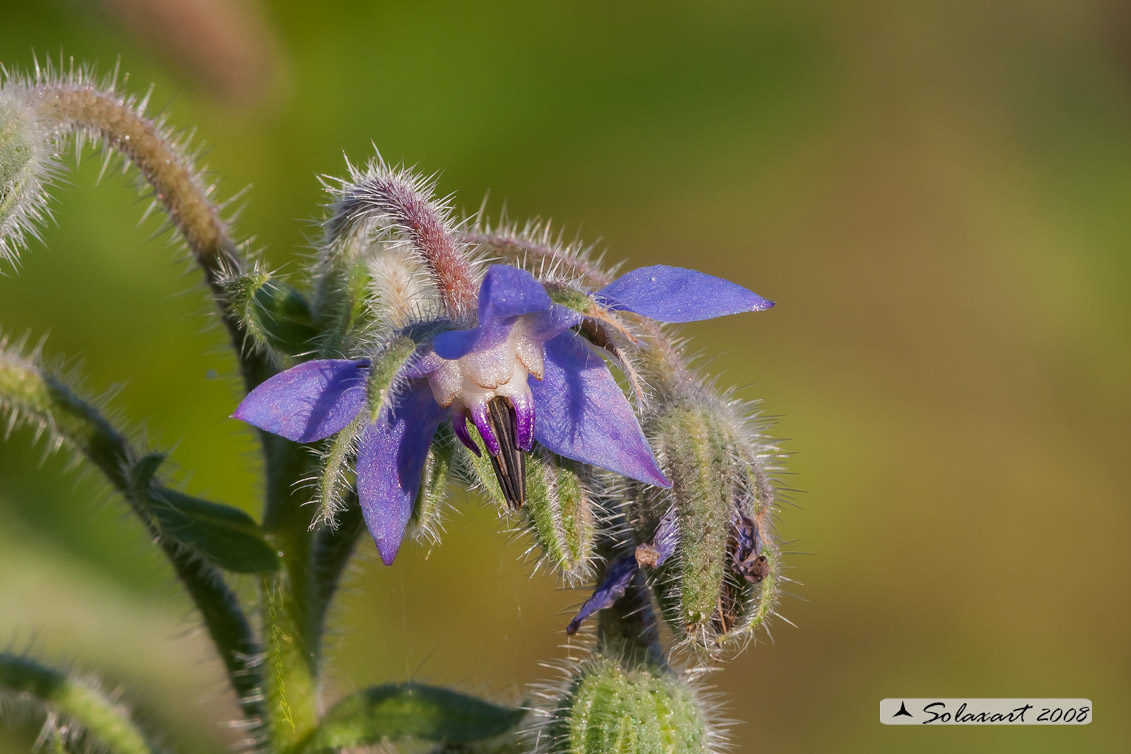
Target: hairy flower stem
37, 396
291, 618
76, 701
84, 108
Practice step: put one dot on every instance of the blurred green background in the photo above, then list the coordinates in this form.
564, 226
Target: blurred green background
935, 193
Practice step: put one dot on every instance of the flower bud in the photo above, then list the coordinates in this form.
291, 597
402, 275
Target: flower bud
27, 162
615, 705
560, 509
723, 580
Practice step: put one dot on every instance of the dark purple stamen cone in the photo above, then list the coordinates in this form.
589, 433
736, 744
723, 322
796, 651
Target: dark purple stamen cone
510, 463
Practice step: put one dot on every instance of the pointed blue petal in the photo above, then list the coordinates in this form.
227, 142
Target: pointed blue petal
308, 402
675, 294
617, 578
581, 413
390, 461
506, 293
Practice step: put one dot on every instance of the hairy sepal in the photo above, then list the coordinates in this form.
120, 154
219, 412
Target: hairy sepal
426, 523
27, 169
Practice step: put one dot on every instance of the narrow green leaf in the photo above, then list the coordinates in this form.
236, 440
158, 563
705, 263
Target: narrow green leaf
221, 534
227, 536
395, 712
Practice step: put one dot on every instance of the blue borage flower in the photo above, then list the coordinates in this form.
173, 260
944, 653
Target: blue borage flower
521, 375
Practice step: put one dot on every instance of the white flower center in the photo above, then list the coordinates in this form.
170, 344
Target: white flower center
499, 371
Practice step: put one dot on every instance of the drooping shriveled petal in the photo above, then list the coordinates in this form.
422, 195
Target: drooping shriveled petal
582, 414
506, 293
617, 578
655, 553
307, 402
390, 460
620, 572
675, 294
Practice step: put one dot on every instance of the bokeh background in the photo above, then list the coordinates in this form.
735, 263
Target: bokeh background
935, 193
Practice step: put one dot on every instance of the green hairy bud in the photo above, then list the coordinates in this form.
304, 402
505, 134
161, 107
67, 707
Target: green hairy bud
613, 706
26, 166
724, 581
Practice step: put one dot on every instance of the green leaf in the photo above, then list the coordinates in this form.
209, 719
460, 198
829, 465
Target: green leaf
224, 535
227, 536
395, 712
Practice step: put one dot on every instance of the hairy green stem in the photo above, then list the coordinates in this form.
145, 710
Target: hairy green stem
176, 184
77, 701
290, 618
36, 396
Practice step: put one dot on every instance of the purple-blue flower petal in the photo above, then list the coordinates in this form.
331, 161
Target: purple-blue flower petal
307, 402
459, 425
556, 319
675, 294
506, 293
617, 578
390, 461
581, 413
667, 537
481, 418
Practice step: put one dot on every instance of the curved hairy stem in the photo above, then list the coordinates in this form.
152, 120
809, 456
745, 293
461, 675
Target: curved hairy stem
75, 105
77, 701
30, 394
289, 596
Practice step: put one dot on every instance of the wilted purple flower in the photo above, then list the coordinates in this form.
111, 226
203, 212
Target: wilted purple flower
520, 375
622, 571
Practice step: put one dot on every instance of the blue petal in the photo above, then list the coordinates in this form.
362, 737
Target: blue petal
617, 578
308, 402
667, 536
390, 461
675, 294
506, 293
581, 413
556, 319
